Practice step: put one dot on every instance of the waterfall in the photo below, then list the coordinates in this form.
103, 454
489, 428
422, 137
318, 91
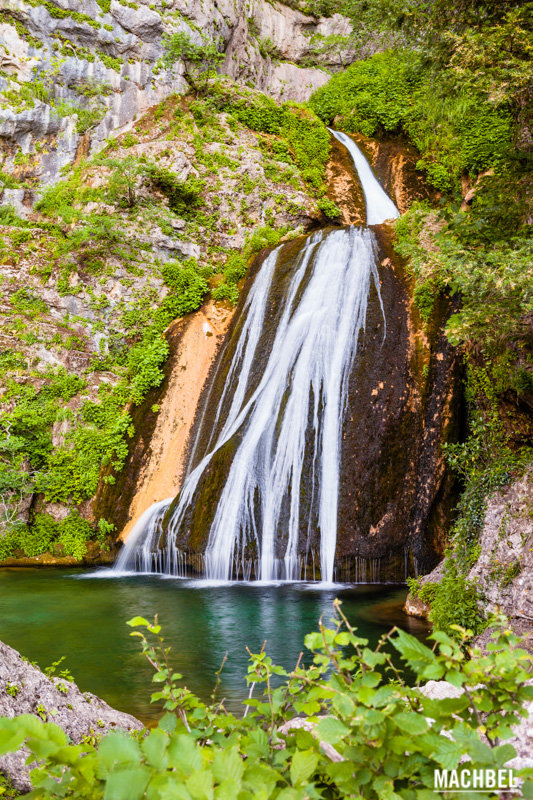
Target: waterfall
284, 427
137, 554
379, 206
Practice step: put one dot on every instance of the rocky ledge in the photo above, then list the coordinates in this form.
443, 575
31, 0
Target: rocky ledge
24, 689
504, 567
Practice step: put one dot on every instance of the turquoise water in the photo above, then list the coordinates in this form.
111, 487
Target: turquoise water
48, 613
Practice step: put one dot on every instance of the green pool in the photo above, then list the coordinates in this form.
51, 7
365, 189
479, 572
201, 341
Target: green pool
48, 613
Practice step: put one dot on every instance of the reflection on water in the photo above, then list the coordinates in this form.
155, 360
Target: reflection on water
49, 613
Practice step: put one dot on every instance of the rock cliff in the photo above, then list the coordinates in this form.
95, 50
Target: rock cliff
72, 72
123, 244
503, 570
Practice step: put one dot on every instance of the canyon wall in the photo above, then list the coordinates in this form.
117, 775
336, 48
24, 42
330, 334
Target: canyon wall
73, 73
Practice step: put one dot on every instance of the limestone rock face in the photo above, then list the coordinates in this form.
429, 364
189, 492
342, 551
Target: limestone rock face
504, 569
505, 566
97, 71
24, 689
141, 22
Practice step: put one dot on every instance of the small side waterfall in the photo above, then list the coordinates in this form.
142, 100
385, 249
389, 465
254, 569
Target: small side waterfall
379, 206
282, 428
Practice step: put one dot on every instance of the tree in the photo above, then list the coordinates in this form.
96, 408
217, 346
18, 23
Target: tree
199, 60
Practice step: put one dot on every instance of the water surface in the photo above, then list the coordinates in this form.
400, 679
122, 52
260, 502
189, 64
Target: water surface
47, 613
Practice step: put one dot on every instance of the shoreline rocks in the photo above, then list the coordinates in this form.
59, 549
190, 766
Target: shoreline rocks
24, 689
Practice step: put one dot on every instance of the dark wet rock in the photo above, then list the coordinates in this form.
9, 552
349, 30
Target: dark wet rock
396, 495
343, 184
24, 689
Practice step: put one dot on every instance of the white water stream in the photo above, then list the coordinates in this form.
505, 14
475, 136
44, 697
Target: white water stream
297, 408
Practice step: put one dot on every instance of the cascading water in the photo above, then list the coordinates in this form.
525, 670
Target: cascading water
284, 428
379, 206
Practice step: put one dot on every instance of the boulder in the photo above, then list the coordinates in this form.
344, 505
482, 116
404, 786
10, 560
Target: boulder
24, 689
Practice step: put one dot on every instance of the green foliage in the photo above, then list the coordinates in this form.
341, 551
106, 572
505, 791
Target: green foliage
236, 264
495, 282
200, 60
183, 196
235, 269
8, 181
394, 92
456, 601
8, 216
122, 185
371, 95
303, 136
68, 537
330, 209
7, 790
144, 366
485, 462
26, 300
188, 289
424, 591
111, 62
388, 735
88, 116
63, 673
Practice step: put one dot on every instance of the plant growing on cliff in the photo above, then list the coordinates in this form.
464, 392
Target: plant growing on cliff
372, 737
200, 61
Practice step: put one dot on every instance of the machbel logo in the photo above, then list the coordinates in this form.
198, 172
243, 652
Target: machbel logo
474, 780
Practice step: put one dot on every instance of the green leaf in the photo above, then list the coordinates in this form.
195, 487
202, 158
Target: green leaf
184, 753
331, 730
411, 722
154, 746
10, 739
412, 649
200, 785
133, 623
117, 748
303, 765
344, 705
127, 784
365, 695
168, 723
228, 764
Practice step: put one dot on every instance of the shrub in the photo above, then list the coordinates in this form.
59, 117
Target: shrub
329, 208
45, 534
455, 601
372, 737
200, 60
396, 92
183, 196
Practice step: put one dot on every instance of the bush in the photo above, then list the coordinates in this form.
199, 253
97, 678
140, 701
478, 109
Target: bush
183, 196
396, 92
373, 737
45, 534
329, 208
455, 601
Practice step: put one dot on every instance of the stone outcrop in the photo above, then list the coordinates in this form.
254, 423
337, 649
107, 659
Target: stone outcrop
504, 568
74, 72
24, 689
